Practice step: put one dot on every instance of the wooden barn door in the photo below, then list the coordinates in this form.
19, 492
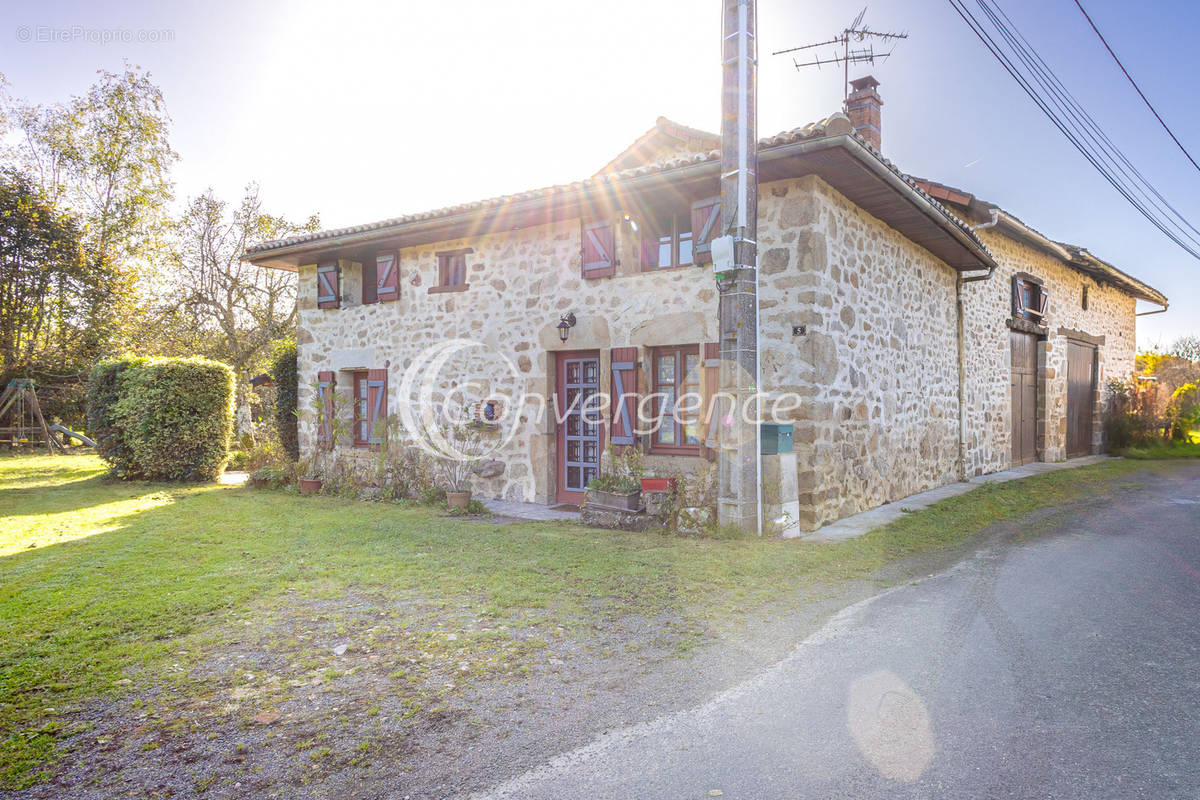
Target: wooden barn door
1081, 397
1023, 383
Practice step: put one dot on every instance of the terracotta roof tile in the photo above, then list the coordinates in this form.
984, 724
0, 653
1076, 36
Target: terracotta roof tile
836, 124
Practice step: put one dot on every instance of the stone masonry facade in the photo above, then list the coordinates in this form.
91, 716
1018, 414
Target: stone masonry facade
856, 320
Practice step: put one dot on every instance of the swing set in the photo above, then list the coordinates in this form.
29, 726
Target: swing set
26, 427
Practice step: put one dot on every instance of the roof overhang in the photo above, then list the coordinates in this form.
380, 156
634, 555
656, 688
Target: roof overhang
1077, 258
840, 160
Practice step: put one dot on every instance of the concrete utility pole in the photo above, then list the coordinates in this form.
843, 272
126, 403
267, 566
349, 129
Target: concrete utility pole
738, 496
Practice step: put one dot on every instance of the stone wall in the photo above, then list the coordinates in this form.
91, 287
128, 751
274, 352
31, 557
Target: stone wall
519, 284
876, 367
987, 305
877, 364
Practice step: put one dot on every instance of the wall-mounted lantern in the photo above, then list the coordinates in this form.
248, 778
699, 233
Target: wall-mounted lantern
565, 323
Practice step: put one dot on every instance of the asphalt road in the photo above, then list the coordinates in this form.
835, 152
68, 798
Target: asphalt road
1061, 665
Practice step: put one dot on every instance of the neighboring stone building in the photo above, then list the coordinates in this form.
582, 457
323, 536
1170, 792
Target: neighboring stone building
929, 335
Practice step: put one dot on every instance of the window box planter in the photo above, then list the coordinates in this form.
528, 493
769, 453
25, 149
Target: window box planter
614, 500
658, 484
310, 485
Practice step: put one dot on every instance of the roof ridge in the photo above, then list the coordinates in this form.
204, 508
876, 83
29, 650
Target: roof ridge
833, 125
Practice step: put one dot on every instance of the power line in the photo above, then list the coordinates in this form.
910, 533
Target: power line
1141, 94
1150, 210
1061, 96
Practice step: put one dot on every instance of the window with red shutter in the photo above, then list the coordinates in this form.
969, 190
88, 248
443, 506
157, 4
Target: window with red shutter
376, 405
452, 270
360, 405
370, 284
387, 276
329, 286
706, 219
1029, 298
599, 250
710, 419
667, 240
623, 430
326, 385
676, 374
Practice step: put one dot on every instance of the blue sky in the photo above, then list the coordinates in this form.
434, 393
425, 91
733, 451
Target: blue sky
365, 110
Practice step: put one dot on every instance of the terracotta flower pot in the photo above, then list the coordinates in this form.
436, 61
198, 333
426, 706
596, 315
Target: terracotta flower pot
310, 485
657, 484
459, 500
259, 483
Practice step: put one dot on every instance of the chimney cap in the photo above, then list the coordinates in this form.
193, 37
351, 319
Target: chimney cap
864, 84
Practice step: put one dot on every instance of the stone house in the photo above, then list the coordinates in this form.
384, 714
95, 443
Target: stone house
926, 335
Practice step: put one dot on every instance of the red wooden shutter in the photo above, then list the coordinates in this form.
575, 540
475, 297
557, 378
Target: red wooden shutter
376, 404
1043, 302
370, 283
329, 286
623, 430
711, 421
706, 218
599, 250
387, 276
326, 383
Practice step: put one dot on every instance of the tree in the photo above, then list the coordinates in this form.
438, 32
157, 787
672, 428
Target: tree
106, 156
1187, 348
215, 304
51, 295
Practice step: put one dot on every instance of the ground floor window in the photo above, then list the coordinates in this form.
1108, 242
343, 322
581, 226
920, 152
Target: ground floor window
676, 385
362, 414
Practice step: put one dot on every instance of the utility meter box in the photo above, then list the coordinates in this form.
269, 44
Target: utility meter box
775, 438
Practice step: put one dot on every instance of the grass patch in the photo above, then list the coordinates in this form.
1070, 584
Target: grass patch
1164, 450
102, 583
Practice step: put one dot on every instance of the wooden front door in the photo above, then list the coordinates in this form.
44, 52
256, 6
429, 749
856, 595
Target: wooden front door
580, 429
1081, 397
1023, 382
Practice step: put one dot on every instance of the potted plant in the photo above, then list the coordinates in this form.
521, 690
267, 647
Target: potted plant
619, 484
315, 466
462, 444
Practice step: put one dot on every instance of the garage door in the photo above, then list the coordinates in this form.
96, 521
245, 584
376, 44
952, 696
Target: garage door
1024, 397
1081, 397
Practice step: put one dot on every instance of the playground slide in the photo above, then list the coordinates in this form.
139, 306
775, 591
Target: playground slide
70, 434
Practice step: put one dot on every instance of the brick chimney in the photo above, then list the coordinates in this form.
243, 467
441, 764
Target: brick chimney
862, 107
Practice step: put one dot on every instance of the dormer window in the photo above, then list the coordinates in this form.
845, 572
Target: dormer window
1029, 299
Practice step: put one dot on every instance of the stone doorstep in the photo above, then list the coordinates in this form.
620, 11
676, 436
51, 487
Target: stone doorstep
867, 521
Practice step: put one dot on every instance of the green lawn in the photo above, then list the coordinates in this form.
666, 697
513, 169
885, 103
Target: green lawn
107, 588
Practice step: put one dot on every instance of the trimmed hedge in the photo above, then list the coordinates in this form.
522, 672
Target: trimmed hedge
287, 395
166, 419
103, 392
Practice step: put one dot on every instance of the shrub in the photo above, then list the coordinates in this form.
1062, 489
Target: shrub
1129, 417
162, 418
103, 392
287, 392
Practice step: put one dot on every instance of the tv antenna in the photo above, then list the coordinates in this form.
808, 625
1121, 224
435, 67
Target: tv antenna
856, 32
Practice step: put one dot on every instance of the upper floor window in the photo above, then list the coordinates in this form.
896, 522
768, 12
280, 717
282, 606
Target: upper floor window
681, 236
668, 241
329, 285
452, 270
1029, 298
381, 278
